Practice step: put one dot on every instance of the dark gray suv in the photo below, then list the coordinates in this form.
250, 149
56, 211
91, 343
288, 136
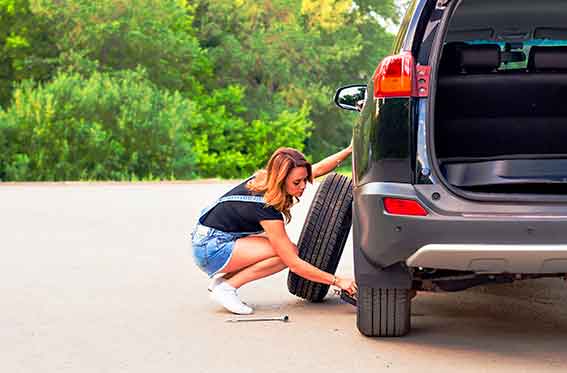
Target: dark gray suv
459, 162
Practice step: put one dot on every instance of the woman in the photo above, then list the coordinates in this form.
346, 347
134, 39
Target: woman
242, 235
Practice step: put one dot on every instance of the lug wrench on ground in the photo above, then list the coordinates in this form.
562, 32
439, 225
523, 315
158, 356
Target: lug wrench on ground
283, 318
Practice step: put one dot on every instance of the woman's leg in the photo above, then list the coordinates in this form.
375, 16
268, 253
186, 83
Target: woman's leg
256, 271
253, 258
247, 251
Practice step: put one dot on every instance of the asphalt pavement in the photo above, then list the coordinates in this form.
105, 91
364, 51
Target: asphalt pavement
99, 278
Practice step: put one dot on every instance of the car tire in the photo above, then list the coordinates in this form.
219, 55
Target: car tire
324, 234
383, 312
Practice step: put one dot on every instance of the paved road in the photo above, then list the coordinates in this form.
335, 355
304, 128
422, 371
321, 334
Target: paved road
98, 278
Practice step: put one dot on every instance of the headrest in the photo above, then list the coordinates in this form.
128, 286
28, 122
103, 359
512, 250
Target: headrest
479, 58
450, 57
547, 59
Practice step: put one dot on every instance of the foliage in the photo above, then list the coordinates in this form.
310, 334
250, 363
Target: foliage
25, 48
116, 35
228, 146
124, 127
159, 89
288, 52
96, 129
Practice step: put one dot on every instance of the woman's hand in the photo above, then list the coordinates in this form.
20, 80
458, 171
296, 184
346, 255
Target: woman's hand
288, 253
346, 284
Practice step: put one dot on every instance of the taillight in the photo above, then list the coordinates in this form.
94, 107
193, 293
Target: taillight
399, 206
394, 76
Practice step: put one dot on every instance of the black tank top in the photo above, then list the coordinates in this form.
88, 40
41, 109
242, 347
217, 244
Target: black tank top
236, 216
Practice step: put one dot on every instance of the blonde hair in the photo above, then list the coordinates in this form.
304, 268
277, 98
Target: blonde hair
271, 180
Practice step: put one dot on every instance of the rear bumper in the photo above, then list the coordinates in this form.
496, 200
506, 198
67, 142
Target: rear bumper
490, 239
492, 258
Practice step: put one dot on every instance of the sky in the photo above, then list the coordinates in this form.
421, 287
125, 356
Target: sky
389, 26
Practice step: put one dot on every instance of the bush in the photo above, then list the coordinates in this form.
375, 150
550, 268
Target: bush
229, 147
105, 127
123, 127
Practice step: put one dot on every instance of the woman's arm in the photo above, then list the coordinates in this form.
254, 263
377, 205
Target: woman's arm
331, 162
287, 252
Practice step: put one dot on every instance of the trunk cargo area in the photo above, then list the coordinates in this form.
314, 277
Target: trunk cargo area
503, 131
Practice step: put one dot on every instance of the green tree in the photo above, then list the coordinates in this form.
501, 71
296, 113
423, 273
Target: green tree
116, 35
288, 53
26, 51
249, 76
228, 146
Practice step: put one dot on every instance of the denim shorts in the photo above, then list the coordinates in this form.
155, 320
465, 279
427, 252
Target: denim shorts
212, 248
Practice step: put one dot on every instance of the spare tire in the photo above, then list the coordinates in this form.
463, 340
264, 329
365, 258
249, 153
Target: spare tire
324, 234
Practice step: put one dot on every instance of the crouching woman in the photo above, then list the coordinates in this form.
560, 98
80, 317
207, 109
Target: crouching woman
241, 237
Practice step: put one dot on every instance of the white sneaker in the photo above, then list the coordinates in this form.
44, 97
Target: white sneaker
225, 295
215, 282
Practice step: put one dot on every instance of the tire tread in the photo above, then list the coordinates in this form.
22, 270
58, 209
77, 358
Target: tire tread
324, 235
383, 312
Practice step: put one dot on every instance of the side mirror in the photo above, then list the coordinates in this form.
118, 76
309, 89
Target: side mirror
351, 97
